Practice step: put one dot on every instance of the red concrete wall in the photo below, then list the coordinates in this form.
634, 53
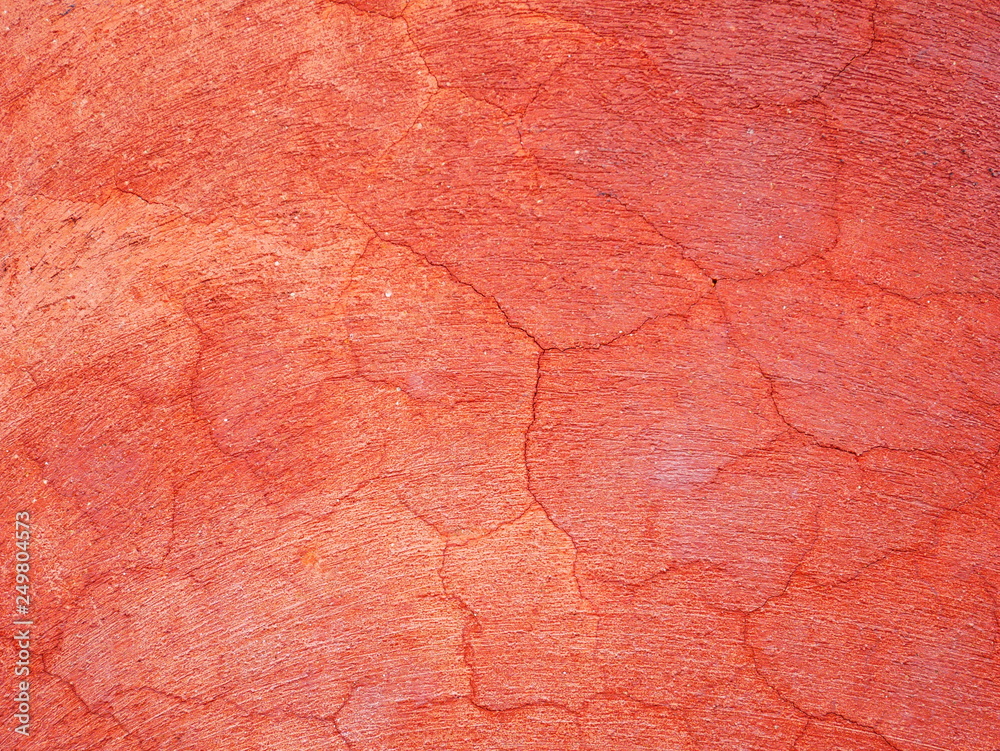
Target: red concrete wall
478, 375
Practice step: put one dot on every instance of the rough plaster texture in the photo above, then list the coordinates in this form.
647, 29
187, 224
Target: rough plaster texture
478, 375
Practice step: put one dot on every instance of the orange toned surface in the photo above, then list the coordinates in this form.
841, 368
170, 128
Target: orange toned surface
561, 374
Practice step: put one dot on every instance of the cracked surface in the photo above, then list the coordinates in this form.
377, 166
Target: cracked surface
474, 374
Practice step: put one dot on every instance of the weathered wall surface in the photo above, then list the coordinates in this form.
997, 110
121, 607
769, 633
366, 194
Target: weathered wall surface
478, 375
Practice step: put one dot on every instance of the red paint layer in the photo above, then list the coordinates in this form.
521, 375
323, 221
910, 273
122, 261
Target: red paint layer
503, 375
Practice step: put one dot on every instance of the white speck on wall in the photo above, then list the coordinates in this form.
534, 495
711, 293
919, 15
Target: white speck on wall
388, 293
